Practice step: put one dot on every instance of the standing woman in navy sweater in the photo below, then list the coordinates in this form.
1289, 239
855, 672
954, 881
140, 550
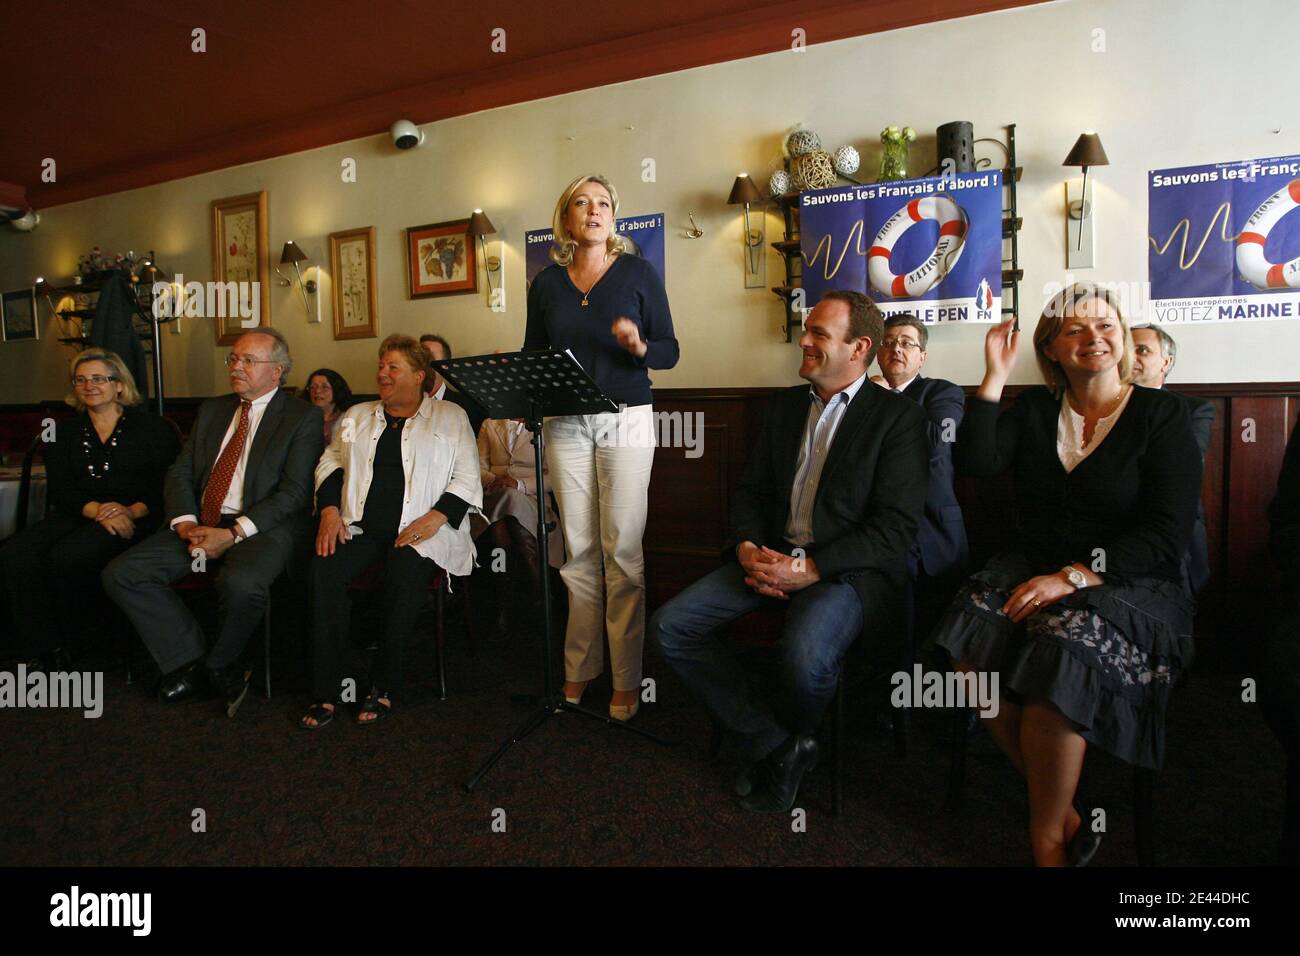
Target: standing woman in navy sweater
610, 310
1086, 619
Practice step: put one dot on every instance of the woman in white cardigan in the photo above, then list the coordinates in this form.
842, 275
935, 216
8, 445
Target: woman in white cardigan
509, 474
395, 486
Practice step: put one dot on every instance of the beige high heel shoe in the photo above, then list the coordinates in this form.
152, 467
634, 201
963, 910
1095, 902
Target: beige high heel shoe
625, 712
581, 691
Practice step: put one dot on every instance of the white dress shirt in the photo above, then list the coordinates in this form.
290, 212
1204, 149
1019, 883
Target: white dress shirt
505, 449
1069, 432
818, 433
234, 502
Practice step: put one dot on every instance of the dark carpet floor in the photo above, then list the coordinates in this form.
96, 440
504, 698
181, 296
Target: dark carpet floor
123, 789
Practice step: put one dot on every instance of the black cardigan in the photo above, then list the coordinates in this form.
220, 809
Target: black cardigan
1125, 511
146, 447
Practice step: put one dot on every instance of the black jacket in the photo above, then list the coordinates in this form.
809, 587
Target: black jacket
1126, 510
280, 475
941, 547
1284, 517
1198, 554
871, 494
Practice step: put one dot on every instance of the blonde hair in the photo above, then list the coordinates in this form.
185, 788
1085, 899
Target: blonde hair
130, 394
412, 351
563, 243
1062, 307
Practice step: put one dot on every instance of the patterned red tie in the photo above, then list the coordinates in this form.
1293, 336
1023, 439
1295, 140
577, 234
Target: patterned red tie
224, 471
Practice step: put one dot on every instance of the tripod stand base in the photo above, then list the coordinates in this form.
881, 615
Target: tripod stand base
543, 710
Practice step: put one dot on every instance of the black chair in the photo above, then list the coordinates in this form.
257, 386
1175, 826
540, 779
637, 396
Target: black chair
1143, 789
34, 450
836, 719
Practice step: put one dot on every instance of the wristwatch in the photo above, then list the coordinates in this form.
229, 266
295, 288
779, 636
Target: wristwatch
1074, 576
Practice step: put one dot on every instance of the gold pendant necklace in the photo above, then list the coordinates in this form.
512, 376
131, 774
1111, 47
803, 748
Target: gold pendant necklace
594, 281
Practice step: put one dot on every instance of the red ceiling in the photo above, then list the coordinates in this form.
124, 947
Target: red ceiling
113, 93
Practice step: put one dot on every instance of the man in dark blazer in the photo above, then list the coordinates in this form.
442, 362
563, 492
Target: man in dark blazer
1154, 354
439, 351
938, 558
238, 502
830, 502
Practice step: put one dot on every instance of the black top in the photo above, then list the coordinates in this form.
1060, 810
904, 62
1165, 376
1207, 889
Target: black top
630, 288
1134, 497
1284, 515
129, 467
382, 514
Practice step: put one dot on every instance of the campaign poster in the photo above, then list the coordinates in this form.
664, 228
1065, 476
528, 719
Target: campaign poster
931, 247
1222, 243
642, 235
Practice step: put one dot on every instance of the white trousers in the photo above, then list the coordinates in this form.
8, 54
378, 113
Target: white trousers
599, 468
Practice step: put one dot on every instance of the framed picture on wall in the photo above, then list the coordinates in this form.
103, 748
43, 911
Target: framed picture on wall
352, 259
440, 259
239, 255
18, 316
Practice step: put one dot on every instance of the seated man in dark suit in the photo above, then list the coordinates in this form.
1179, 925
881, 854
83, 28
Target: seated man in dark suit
938, 558
829, 504
240, 491
439, 351
1154, 354
1279, 683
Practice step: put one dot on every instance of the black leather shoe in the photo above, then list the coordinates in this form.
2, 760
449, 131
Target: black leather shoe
232, 684
184, 684
782, 772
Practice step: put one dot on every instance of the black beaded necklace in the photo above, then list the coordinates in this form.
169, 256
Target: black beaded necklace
99, 455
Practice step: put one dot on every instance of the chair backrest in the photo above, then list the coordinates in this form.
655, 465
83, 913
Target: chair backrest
25, 484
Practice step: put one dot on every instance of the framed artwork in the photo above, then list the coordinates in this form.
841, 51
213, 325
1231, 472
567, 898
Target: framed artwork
239, 255
352, 259
440, 259
18, 316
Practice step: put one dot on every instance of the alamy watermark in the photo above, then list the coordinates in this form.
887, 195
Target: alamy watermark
213, 300
920, 688
77, 690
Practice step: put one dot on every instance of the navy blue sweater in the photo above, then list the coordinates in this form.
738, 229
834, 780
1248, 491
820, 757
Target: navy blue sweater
630, 288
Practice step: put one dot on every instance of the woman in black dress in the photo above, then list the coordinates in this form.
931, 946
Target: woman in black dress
1086, 620
104, 470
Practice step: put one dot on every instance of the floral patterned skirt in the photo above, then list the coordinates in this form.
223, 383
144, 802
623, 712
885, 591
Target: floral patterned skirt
1106, 657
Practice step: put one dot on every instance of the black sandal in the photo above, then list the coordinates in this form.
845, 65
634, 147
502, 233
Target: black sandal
319, 713
374, 705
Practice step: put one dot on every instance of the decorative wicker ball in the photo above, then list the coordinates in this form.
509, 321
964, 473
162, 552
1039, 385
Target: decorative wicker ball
801, 142
815, 169
847, 161
781, 183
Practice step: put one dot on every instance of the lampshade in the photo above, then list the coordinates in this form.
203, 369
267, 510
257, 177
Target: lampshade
1087, 152
743, 190
480, 224
291, 254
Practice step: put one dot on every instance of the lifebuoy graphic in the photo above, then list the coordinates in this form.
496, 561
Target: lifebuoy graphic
952, 239
1252, 265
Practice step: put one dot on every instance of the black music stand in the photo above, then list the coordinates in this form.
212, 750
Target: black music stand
533, 385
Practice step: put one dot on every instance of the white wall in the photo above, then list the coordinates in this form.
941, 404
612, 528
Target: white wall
1180, 83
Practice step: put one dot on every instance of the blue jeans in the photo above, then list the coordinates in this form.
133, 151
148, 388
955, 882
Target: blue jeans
821, 623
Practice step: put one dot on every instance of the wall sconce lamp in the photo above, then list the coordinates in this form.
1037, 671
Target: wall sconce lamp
292, 254
1080, 219
42, 288
480, 226
743, 191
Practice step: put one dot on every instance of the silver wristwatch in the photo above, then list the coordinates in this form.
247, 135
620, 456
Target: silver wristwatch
1074, 576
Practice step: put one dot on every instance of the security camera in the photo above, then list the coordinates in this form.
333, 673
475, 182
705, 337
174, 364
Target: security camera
406, 135
26, 222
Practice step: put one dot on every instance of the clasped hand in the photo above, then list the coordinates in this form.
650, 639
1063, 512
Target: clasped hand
213, 542
116, 519
773, 574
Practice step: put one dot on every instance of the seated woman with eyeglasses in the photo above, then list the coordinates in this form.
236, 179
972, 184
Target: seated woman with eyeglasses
393, 487
1085, 619
328, 391
104, 468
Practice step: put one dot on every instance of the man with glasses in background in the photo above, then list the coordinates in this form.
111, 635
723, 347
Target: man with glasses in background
241, 492
938, 557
